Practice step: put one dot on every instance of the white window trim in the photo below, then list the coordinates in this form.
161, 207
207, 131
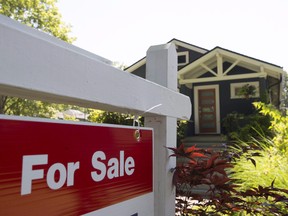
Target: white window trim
233, 87
186, 54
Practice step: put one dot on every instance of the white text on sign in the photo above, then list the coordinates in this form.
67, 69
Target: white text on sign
112, 168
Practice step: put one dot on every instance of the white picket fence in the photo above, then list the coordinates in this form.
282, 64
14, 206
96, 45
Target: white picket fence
35, 65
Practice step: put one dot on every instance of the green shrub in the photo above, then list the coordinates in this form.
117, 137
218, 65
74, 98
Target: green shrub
198, 167
112, 118
181, 131
279, 126
268, 166
243, 127
253, 183
269, 157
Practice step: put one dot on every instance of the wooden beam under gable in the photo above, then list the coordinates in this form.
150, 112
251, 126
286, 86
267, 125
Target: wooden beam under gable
214, 79
196, 63
208, 69
219, 64
251, 61
231, 67
192, 73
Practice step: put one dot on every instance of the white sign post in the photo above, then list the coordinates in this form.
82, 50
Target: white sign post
35, 65
161, 68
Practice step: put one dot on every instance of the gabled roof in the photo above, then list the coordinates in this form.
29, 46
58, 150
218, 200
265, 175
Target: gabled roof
188, 45
177, 43
209, 66
215, 58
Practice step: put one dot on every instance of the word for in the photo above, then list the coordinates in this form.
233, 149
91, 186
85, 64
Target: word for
110, 168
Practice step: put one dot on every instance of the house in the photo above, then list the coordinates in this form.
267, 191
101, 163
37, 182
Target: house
215, 79
72, 114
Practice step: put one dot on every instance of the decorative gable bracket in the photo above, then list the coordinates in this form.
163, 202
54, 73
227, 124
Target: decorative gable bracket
212, 63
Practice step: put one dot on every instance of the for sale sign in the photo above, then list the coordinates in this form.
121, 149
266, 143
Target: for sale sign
52, 168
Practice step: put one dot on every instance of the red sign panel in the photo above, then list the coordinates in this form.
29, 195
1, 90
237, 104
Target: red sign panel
70, 169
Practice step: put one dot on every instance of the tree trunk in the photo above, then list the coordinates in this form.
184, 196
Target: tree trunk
3, 100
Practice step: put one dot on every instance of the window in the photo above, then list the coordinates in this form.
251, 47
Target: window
236, 89
183, 58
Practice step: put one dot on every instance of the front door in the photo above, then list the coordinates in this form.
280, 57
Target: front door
207, 110
207, 114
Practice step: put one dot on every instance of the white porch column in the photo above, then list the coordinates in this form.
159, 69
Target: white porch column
161, 68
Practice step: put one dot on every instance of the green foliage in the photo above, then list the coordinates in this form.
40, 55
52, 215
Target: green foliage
279, 126
268, 165
257, 164
24, 107
39, 14
181, 131
197, 167
127, 119
112, 118
284, 92
44, 16
268, 157
247, 90
248, 179
243, 127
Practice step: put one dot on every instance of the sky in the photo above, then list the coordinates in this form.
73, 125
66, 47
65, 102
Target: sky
123, 30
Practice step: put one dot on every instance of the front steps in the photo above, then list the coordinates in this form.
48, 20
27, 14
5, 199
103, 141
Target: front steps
213, 142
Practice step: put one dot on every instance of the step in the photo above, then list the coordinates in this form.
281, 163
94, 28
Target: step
217, 143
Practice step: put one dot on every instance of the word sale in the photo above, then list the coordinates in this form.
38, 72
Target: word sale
104, 167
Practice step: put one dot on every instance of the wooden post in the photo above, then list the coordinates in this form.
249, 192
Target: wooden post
161, 68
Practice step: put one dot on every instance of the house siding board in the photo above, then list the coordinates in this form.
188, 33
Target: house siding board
236, 70
274, 91
228, 105
208, 74
190, 125
141, 71
243, 106
193, 55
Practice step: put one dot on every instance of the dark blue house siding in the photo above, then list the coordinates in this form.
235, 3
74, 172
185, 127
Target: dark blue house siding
190, 126
141, 71
241, 105
227, 105
273, 88
193, 55
268, 87
236, 70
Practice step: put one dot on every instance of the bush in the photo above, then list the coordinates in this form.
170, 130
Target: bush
242, 127
268, 156
279, 126
204, 167
112, 118
248, 179
181, 131
267, 166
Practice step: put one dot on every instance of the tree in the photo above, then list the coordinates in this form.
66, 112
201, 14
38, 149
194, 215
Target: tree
44, 16
39, 14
